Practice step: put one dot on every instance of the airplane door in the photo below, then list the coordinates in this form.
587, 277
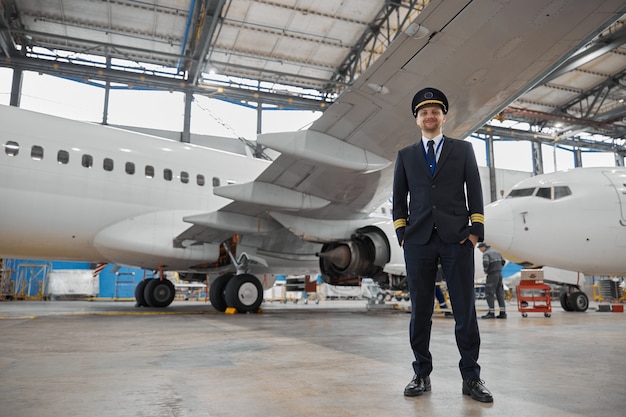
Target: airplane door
618, 181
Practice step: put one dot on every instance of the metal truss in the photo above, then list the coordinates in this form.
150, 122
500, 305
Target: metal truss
392, 19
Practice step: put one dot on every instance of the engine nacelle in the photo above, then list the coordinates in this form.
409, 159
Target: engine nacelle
364, 255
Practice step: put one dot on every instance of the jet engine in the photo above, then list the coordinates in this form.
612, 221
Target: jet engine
364, 255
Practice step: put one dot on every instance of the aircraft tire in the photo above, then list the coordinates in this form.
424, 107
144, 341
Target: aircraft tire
564, 299
139, 297
244, 292
216, 292
159, 292
579, 301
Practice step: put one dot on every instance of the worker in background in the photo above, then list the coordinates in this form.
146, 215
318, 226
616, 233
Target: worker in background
492, 265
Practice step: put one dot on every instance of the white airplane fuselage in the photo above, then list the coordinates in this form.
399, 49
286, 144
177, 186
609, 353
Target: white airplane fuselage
573, 220
81, 192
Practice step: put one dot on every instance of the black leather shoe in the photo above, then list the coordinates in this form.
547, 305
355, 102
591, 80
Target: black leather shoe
476, 388
489, 315
502, 315
417, 386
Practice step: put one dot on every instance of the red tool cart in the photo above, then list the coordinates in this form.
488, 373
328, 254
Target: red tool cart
533, 296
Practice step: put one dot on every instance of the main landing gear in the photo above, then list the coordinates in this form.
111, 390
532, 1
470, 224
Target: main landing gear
242, 292
155, 292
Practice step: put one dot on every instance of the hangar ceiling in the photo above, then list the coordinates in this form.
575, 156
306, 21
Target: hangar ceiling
291, 53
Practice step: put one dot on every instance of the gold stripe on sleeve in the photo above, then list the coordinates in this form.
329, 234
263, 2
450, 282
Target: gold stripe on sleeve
399, 223
477, 218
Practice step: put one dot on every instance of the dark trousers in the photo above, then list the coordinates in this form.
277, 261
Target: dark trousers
457, 261
494, 289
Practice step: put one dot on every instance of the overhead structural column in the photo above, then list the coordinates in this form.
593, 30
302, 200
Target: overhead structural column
186, 134
8, 49
258, 150
16, 87
578, 158
537, 155
107, 94
492, 168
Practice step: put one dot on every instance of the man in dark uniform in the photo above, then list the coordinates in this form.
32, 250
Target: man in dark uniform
436, 222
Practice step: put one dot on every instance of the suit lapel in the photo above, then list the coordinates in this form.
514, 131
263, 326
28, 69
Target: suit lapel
420, 157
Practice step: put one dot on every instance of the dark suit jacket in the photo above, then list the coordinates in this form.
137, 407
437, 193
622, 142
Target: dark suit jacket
438, 200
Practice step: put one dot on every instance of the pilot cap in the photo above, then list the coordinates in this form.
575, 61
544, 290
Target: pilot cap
429, 95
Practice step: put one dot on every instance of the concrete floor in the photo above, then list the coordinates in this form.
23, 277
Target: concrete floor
333, 359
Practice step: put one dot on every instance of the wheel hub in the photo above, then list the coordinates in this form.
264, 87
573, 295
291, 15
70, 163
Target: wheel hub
247, 294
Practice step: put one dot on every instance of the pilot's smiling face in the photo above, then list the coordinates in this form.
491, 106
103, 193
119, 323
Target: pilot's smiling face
430, 119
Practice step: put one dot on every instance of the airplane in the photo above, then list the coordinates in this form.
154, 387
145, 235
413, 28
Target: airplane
572, 220
84, 192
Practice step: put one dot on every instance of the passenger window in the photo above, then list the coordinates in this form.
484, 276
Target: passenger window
216, 182
149, 171
107, 164
545, 192
11, 148
87, 161
36, 152
561, 191
63, 157
130, 168
521, 192
184, 177
200, 180
167, 174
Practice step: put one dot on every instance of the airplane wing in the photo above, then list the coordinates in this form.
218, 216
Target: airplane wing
482, 53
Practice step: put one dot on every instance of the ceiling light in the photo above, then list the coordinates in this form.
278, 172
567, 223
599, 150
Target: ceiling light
378, 88
416, 31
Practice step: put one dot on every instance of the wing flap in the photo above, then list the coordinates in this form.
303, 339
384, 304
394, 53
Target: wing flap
270, 196
324, 149
218, 226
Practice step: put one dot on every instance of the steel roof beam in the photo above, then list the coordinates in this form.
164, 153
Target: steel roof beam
578, 142
206, 17
597, 93
135, 79
348, 70
600, 47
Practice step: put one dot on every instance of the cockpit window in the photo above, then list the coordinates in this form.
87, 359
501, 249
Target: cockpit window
561, 191
544, 192
521, 192
549, 193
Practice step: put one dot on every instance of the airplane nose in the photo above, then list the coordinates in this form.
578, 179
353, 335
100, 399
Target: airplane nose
499, 225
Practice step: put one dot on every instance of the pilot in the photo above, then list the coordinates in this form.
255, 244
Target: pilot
438, 217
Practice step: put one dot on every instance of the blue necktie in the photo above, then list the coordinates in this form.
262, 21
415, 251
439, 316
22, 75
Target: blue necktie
432, 159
